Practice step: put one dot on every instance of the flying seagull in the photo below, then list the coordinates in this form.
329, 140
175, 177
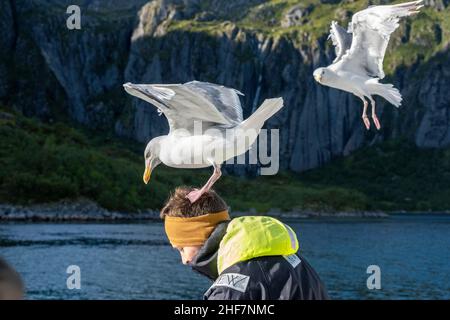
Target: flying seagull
360, 52
206, 126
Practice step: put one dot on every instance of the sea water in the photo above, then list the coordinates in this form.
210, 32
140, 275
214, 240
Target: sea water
135, 261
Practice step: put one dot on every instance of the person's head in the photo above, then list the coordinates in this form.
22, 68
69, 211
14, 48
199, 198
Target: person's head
11, 285
188, 225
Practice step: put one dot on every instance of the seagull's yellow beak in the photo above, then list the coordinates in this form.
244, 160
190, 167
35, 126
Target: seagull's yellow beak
147, 174
317, 77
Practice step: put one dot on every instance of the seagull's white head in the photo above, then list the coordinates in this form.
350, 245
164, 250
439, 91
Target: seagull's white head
151, 156
318, 74
321, 75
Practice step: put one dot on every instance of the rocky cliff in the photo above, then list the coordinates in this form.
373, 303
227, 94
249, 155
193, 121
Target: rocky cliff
263, 48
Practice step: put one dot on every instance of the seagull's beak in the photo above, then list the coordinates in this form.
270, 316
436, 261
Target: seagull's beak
317, 77
147, 174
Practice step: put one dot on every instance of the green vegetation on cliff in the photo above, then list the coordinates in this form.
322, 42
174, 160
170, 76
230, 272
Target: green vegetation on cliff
393, 175
48, 162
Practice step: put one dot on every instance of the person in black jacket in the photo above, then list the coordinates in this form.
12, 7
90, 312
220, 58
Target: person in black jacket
248, 258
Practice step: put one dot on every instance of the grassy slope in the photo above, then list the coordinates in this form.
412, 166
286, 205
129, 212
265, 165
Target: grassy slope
42, 162
393, 175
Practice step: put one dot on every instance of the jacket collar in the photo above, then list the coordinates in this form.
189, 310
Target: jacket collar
206, 260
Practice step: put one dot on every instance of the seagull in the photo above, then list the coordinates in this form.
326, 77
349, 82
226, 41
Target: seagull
360, 52
206, 126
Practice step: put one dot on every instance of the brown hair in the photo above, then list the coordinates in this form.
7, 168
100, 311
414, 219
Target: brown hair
179, 206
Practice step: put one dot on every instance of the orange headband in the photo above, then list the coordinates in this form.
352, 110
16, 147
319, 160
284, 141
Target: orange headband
192, 231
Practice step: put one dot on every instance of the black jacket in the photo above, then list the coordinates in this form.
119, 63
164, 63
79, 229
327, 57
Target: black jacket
262, 278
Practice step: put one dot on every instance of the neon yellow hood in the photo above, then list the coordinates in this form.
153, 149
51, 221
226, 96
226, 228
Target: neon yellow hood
250, 237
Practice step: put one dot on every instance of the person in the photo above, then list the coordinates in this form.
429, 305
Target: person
11, 285
248, 258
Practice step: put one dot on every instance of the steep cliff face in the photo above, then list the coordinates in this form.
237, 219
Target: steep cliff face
6, 45
263, 48
87, 64
433, 95
26, 82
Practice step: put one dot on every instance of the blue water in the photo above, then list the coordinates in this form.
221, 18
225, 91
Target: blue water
134, 261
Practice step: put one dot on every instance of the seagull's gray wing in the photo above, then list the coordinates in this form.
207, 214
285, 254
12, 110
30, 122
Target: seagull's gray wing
184, 104
371, 30
342, 40
225, 100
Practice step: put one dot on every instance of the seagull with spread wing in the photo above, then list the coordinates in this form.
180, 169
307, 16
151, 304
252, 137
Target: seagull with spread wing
206, 126
360, 52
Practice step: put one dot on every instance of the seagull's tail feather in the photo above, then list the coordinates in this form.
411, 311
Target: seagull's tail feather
268, 108
387, 91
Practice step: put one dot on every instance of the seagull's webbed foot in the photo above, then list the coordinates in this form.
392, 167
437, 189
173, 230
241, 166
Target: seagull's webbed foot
374, 115
364, 115
376, 121
366, 121
194, 195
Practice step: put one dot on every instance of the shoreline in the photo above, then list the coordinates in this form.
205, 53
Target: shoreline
88, 211
67, 210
